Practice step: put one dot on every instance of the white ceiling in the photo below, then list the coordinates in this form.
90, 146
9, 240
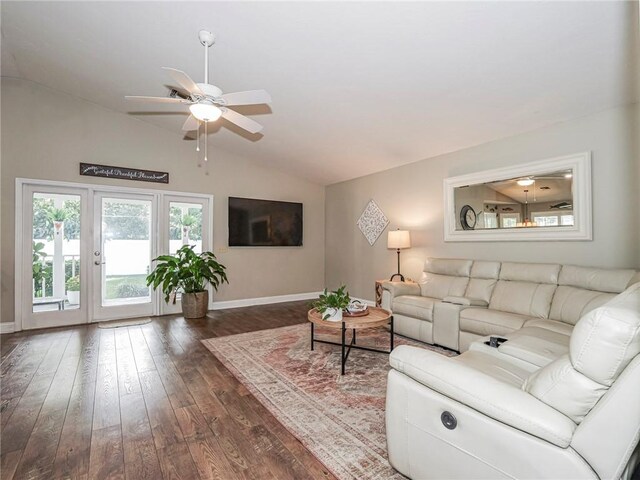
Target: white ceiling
558, 189
357, 87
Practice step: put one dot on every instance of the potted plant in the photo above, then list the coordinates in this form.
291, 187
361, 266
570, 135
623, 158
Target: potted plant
188, 273
58, 216
331, 304
73, 290
187, 221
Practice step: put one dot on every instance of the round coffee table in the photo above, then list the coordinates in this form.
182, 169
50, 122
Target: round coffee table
377, 317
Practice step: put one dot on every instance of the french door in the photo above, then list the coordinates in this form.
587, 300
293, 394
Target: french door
90, 249
124, 241
52, 246
186, 220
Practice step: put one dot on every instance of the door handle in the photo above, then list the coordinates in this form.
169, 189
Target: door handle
98, 262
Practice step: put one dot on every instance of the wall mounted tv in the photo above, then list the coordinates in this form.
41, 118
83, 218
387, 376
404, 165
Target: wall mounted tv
264, 223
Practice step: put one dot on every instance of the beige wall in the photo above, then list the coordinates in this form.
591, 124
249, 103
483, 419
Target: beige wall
412, 198
46, 134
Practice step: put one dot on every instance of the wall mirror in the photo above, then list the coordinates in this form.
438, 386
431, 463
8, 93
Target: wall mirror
544, 200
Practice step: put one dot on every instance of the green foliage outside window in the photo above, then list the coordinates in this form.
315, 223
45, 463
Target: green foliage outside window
193, 221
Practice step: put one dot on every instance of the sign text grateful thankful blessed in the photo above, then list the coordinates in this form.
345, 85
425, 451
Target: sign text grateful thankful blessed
107, 171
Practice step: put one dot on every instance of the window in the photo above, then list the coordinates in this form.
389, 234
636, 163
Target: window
509, 220
487, 220
185, 226
552, 219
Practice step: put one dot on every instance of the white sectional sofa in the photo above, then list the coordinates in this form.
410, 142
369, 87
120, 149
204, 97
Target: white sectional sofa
457, 302
560, 398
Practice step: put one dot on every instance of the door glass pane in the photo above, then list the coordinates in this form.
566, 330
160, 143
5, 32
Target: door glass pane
185, 226
126, 251
56, 252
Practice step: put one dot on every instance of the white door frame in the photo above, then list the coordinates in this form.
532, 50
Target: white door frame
90, 188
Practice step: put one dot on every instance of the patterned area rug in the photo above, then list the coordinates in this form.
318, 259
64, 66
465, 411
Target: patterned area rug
340, 419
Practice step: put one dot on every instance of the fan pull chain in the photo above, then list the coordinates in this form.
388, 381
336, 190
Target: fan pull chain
198, 138
205, 142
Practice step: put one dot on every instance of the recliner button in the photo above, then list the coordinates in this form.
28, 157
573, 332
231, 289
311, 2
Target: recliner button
449, 420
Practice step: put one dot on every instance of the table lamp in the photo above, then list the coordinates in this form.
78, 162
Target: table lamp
398, 239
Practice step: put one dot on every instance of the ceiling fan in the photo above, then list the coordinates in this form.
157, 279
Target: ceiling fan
206, 102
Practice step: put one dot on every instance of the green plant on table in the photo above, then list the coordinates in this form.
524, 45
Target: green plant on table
186, 272
337, 300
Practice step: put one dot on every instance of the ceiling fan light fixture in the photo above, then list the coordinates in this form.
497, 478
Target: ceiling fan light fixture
525, 182
205, 112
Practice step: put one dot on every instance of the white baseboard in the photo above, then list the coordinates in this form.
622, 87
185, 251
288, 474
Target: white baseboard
247, 302
7, 327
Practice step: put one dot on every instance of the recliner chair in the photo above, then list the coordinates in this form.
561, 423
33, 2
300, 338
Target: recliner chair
481, 415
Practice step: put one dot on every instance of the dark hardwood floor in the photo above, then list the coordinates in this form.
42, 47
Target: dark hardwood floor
144, 402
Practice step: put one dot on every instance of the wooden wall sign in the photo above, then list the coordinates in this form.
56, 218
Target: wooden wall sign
107, 171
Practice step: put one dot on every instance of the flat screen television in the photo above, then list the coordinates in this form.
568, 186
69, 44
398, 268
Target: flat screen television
264, 223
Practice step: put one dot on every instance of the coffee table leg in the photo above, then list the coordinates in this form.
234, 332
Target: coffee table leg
311, 336
354, 336
344, 331
391, 342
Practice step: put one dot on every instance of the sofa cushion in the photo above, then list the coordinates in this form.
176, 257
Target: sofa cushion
530, 272
490, 322
545, 334
445, 276
414, 306
570, 303
497, 367
606, 339
480, 288
551, 325
535, 345
440, 286
598, 279
448, 266
485, 269
524, 298
560, 386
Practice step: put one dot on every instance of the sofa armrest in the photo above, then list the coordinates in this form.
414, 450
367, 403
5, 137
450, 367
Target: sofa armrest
469, 302
401, 288
501, 401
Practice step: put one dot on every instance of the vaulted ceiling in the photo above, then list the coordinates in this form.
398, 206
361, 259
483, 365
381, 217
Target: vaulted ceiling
357, 87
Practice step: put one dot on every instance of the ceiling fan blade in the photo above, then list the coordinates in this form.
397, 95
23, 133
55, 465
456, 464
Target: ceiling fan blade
241, 121
191, 124
184, 80
139, 98
251, 97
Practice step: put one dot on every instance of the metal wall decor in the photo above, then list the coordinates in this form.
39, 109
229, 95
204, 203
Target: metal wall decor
372, 222
108, 171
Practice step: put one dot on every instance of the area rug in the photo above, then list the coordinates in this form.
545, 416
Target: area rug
340, 419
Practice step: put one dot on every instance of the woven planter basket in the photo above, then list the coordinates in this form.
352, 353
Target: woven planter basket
194, 305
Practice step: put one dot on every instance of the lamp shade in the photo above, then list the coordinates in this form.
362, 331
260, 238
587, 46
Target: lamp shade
398, 239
